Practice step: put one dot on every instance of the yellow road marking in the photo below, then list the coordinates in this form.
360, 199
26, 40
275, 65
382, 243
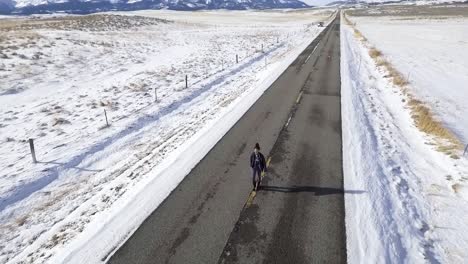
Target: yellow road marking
299, 97
287, 123
251, 198
267, 165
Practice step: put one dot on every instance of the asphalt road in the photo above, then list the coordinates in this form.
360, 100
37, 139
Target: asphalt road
298, 214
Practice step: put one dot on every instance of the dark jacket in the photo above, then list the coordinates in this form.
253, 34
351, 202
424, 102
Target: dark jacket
262, 163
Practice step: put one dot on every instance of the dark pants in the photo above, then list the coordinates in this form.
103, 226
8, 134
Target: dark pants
256, 175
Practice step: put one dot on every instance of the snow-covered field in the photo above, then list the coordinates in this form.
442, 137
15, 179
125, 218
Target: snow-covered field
429, 51
93, 184
416, 205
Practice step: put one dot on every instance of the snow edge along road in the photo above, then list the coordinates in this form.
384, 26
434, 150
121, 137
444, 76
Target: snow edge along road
98, 244
414, 206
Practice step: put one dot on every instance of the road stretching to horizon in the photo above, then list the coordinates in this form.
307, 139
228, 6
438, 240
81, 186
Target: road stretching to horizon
297, 215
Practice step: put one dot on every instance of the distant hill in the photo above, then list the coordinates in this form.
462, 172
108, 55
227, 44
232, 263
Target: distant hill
337, 3
6, 6
90, 6
377, 2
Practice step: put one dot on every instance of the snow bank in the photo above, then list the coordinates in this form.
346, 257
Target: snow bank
414, 208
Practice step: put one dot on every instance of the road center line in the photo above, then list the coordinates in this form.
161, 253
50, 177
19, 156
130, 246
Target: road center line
287, 123
312, 52
254, 193
250, 199
299, 97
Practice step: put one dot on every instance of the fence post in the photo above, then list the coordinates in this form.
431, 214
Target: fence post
277, 40
186, 81
237, 58
33, 152
466, 149
105, 114
262, 48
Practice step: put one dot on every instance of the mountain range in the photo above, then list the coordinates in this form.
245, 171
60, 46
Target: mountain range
25, 7
90, 6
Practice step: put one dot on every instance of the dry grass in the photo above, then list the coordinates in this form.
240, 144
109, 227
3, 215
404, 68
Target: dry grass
359, 35
457, 187
425, 121
397, 77
55, 240
422, 115
381, 62
109, 104
346, 19
60, 121
54, 199
20, 221
374, 53
137, 87
96, 22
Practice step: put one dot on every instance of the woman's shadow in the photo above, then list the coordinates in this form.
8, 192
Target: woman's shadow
313, 189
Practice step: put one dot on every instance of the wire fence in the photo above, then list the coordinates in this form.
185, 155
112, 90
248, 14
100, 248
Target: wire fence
263, 50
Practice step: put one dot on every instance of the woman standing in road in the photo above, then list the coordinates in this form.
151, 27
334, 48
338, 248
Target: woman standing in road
258, 165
